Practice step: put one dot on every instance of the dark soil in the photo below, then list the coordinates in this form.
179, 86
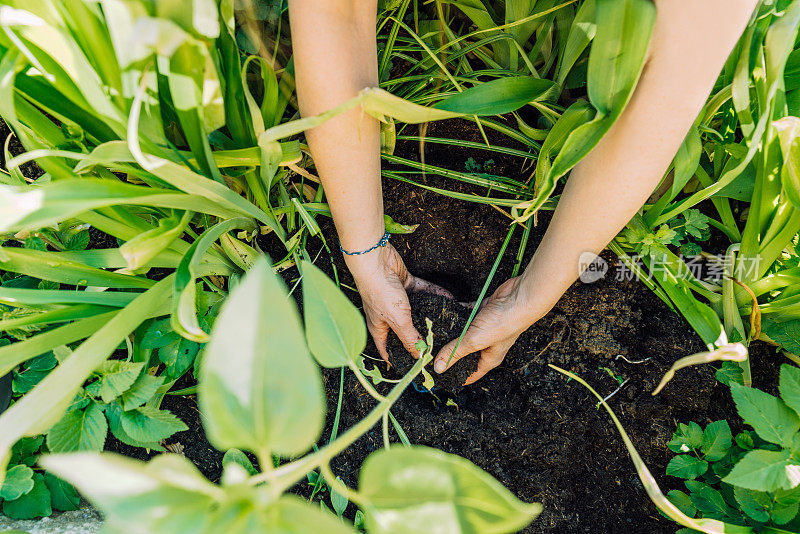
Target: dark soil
448, 317
538, 433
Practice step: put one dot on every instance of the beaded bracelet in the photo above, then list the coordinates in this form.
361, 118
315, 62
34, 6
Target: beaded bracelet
382, 243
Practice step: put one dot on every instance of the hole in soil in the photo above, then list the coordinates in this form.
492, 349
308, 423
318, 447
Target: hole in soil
455, 284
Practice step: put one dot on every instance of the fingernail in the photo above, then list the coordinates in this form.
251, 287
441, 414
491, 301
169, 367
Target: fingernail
439, 366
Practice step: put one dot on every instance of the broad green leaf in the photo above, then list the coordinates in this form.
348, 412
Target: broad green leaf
37, 411
116, 377
114, 415
497, 97
238, 457
717, 439
148, 424
291, 515
131, 493
785, 506
409, 489
686, 466
141, 391
789, 136
259, 388
18, 482
789, 386
687, 437
33, 504
63, 496
761, 470
79, 430
335, 330
784, 333
711, 503
772, 420
682, 501
755, 504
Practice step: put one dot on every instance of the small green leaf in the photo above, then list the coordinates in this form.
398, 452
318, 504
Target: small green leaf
159, 334
396, 228
785, 506
79, 430
716, 440
116, 377
238, 457
141, 391
33, 504
114, 416
24, 450
761, 470
338, 501
150, 424
756, 504
409, 489
497, 97
686, 466
335, 330
696, 223
711, 503
784, 333
63, 496
745, 441
729, 373
789, 386
33, 372
682, 501
18, 482
687, 437
772, 420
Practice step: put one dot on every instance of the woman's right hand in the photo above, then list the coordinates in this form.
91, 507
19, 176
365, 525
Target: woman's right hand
383, 281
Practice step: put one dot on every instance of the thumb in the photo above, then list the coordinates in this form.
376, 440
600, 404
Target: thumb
454, 351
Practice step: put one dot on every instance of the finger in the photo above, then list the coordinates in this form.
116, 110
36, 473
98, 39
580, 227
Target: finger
380, 335
416, 284
408, 335
447, 357
469, 305
490, 358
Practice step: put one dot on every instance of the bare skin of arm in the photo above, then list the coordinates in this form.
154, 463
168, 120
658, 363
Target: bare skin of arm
335, 56
691, 41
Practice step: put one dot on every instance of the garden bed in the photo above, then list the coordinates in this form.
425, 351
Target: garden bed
540, 435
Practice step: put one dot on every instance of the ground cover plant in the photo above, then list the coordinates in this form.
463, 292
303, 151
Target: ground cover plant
169, 162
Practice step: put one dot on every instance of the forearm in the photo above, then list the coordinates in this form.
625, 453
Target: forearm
691, 41
335, 57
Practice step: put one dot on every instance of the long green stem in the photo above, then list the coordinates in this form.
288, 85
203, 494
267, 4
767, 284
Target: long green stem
287, 475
